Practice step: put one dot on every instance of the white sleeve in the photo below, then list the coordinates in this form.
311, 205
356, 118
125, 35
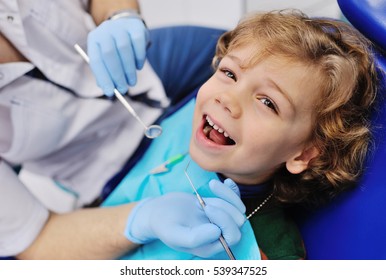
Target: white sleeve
22, 217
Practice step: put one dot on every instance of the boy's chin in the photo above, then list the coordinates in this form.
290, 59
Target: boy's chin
201, 159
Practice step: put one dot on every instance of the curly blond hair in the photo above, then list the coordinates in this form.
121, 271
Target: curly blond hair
344, 62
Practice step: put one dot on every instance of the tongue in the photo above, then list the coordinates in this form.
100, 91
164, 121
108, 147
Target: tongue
217, 137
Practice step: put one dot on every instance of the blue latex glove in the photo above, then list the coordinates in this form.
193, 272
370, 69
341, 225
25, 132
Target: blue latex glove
214, 184
117, 48
177, 219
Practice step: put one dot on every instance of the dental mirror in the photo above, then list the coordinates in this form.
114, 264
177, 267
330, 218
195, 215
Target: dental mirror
152, 131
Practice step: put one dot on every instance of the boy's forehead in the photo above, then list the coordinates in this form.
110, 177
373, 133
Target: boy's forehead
249, 55
246, 56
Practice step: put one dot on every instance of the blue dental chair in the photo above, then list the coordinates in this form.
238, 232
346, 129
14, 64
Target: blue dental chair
351, 227
354, 226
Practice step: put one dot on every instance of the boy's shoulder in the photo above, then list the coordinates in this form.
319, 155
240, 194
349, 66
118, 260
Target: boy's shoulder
277, 234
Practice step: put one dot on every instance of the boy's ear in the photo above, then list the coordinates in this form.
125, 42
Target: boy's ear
299, 163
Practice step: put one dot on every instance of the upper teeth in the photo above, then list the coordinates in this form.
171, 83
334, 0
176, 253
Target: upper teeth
216, 127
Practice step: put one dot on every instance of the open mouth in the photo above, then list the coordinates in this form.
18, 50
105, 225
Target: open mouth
215, 133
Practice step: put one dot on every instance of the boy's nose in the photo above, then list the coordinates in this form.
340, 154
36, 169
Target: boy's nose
230, 103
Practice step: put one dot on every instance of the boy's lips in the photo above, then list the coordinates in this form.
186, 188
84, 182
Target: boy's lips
213, 133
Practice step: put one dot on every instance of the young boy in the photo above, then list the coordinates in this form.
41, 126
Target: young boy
285, 116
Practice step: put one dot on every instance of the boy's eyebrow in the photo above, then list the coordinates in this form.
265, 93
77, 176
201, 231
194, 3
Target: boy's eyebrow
235, 59
283, 92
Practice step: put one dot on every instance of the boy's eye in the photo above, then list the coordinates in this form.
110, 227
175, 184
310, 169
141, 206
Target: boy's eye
268, 102
229, 74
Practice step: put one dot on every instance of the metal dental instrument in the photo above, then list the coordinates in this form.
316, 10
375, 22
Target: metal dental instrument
202, 203
152, 131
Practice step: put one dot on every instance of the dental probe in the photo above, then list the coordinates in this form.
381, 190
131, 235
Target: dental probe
202, 203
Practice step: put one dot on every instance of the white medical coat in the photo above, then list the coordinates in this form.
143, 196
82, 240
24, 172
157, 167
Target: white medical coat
74, 139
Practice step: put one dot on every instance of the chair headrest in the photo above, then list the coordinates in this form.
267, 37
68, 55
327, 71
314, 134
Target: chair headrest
368, 16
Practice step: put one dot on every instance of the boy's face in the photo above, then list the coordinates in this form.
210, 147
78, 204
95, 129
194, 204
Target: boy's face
249, 122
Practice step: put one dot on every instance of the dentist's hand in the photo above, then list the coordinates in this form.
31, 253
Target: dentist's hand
117, 48
177, 219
